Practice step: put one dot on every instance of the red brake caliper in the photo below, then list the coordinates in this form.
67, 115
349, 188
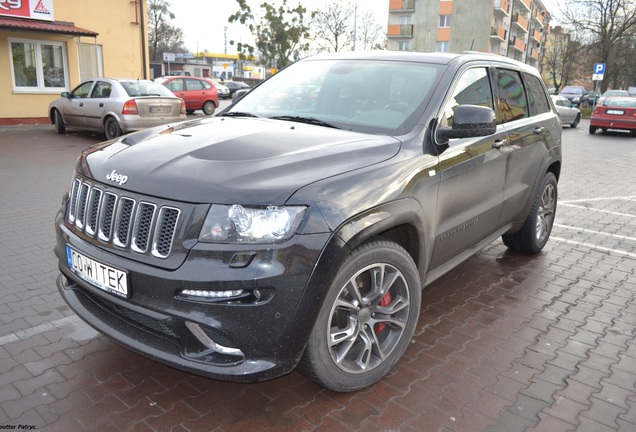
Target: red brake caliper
386, 300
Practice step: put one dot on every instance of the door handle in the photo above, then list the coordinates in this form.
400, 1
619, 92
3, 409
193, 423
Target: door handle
81, 104
101, 104
539, 130
500, 143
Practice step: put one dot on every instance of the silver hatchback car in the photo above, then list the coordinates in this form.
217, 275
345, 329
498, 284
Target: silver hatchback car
116, 106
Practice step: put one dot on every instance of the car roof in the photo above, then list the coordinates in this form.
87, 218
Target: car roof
423, 57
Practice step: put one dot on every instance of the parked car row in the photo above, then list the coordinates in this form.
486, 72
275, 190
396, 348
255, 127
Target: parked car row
119, 106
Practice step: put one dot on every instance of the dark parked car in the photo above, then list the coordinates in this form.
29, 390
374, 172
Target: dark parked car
577, 95
616, 113
288, 233
235, 86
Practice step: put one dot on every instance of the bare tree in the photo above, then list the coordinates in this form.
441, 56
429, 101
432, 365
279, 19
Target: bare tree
370, 34
333, 27
163, 36
605, 27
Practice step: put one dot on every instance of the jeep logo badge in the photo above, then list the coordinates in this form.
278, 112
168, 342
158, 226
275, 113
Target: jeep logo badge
117, 178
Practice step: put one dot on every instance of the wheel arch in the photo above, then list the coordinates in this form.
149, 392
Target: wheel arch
398, 221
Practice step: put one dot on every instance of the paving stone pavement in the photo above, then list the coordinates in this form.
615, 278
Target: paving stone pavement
506, 342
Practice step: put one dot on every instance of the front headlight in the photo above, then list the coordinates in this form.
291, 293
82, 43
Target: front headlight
239, 224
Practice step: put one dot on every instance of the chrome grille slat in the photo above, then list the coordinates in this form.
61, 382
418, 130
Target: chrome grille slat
123, 222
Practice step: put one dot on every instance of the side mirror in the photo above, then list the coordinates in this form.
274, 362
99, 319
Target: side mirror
239, 94
470, 121
65, 95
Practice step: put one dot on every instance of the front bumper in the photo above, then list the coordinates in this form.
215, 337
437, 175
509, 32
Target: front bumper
261, 336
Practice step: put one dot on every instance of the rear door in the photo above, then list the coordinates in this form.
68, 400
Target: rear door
195, 94
527, 116
96, 104
473, 171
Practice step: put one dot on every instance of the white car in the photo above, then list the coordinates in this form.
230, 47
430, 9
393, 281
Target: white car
223, 91
116, 106
567, 112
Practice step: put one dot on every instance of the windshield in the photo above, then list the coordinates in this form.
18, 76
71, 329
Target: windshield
572, 90
145, 88
384, 97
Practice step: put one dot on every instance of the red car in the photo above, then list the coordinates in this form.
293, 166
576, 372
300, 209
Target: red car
615, 113
198, 93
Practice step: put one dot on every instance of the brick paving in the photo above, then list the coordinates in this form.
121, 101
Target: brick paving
506, 342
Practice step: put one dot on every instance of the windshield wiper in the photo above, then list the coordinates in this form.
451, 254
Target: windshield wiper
308, 120
237, 114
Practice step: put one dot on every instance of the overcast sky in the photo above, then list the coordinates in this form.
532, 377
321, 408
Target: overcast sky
203, 21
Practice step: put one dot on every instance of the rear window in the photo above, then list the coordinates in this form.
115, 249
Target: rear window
620, 102
145, 88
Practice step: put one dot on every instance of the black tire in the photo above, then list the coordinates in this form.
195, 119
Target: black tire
576, 121
60, 127
190, 111
592, 130
536, 230
208, 108
112, 129
364, 326
632, 133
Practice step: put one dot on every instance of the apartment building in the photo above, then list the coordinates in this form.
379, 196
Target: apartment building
513, 28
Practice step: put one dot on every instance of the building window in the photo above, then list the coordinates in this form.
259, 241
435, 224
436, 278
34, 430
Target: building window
443, 46
38, 65
90, 61
405, 19
444, 20
403, 46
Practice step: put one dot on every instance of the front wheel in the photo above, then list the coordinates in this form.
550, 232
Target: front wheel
60, 127
112, 129
208, 108
576, 121
367, 319
535, 232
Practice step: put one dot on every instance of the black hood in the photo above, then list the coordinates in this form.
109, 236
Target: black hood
232, 160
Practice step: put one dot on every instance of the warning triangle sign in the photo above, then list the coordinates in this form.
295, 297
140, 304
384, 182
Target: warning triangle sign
40, 8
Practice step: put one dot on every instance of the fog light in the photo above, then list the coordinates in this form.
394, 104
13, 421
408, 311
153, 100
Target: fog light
213, 294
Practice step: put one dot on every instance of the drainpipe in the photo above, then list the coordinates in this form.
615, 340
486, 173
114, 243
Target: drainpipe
142, 28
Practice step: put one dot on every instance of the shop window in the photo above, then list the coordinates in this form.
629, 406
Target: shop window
38, 65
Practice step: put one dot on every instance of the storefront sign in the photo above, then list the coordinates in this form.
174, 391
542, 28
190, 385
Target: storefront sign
33, 9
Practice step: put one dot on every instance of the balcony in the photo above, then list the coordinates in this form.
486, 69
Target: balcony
536, 35
498, 33
402, 6
539, 18
518, 44
533, 53
400, 31
502, 7
520, 22
523, 4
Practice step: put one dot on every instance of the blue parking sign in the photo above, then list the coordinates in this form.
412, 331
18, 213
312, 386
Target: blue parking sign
598, 72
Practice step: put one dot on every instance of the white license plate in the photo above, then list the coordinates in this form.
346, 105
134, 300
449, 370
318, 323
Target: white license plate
160, 109
616, 112
100, 275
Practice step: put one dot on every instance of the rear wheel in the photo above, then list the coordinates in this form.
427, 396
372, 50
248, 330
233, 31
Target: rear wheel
592, 130
112, 129
535, 232
208, 108
60, 127
367, 320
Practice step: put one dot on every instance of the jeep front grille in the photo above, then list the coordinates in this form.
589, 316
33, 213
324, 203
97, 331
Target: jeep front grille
123, 221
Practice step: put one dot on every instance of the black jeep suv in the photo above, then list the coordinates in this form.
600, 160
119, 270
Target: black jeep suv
297, 227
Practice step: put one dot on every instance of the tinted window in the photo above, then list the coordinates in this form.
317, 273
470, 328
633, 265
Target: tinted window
473, 88
537, 99
511, 97
101, 90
